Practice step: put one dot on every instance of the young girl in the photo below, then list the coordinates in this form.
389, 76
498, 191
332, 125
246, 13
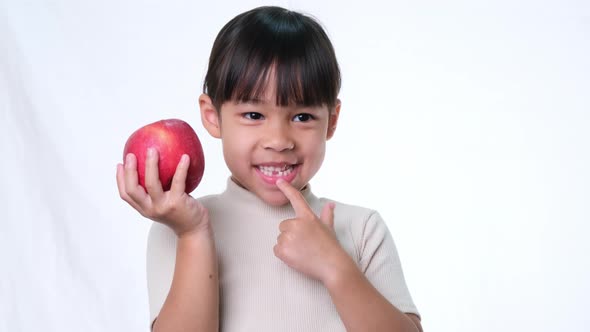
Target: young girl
267, 254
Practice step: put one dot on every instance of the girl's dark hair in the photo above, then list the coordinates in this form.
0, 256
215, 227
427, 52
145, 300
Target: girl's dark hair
290, 45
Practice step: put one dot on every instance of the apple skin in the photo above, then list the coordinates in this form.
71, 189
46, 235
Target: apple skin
171, 138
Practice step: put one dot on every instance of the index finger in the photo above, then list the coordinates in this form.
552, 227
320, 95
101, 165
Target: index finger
296, 198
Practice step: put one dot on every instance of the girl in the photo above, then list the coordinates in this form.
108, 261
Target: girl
267, 254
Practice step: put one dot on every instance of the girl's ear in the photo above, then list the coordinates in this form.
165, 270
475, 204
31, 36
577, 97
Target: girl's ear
210, 116
333, 121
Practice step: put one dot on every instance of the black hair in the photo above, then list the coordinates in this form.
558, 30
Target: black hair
292, 46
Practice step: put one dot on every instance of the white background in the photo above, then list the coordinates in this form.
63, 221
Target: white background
465, 123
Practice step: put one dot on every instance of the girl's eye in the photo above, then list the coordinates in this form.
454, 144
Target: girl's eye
253, 116
303, 117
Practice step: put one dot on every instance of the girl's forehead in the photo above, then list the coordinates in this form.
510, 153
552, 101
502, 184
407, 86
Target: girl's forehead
280, 84
266, 90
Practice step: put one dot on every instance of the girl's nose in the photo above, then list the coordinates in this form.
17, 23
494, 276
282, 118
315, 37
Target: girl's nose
278, 138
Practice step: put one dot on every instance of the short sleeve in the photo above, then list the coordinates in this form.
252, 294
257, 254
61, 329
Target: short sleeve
160, 262
380, 262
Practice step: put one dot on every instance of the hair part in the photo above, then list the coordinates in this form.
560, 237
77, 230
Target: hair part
273, 41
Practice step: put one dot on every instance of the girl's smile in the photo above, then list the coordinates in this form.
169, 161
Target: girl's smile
271, 172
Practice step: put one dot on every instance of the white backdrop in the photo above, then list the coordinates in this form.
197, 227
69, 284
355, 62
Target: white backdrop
466, 124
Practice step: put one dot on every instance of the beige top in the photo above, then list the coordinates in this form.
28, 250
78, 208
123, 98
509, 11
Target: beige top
258, 291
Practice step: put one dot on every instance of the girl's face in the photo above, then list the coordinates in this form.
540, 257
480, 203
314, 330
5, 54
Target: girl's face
263, 142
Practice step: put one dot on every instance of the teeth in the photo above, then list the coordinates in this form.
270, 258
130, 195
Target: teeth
276, 171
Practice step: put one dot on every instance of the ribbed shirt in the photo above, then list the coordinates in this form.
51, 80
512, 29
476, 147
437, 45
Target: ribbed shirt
259, 292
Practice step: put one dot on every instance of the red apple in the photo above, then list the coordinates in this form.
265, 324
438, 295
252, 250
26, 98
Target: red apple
171, 138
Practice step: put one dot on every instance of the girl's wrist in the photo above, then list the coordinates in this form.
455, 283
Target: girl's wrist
199, 233
344, 268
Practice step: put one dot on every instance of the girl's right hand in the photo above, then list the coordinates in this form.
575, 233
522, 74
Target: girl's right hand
174, 208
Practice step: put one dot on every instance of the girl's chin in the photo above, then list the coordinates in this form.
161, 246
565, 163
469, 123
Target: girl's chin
276, 198
271, 197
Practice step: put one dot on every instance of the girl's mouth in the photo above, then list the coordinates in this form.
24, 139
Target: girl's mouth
276, 171
271, 173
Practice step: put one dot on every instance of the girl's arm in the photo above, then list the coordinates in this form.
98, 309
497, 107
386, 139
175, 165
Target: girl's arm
362, 308
193, 301
309, 244
193, 298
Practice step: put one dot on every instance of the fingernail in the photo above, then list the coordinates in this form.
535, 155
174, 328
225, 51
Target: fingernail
150, 152
184, 159
127, 159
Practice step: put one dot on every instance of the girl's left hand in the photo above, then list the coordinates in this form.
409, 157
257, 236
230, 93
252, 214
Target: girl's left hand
307, 243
